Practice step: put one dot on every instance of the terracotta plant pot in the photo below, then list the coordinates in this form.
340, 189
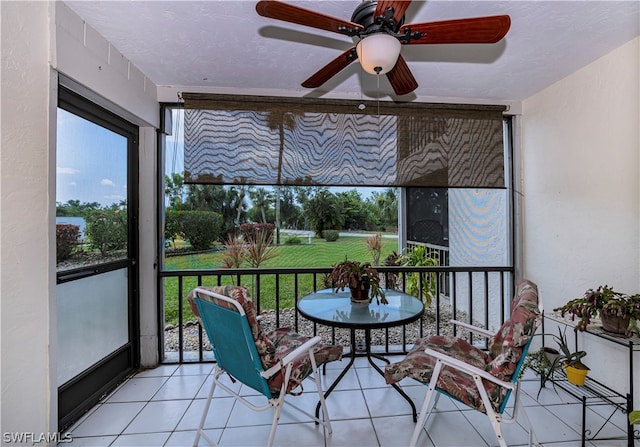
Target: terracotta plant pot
614, 323
576, 375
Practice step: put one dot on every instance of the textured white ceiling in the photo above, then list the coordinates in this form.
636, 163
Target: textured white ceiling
224, 46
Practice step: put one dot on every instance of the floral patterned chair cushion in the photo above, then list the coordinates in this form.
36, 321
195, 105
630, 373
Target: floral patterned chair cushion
505, 350
275, 345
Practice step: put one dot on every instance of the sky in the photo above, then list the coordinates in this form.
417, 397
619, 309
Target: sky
91, 162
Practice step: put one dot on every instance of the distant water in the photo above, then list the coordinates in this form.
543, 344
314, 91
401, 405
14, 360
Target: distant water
77, 221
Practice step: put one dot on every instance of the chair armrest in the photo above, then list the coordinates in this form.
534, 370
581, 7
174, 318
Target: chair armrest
478, 330
469, 369
301, 350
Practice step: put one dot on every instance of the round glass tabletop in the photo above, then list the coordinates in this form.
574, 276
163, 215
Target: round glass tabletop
335, 309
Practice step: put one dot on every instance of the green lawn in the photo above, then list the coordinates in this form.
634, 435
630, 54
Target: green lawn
318, 254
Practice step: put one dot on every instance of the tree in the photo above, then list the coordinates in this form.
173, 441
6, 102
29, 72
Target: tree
174, 190
75, 208
261, 199
107, 228
239, 194
201, 228
280, 121
356, 215
387, 205
289, 212
214, 198
324, 212
204, 197
303, 195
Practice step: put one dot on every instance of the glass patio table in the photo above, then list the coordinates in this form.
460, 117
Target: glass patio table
335, 309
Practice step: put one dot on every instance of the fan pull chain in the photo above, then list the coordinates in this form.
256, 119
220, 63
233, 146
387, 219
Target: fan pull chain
378, 104
378, 96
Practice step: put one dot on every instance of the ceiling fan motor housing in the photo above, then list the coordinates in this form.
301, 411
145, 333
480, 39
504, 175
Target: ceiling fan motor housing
364, 15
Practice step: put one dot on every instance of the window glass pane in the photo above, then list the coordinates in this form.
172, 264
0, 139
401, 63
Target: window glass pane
92, 321
91, 193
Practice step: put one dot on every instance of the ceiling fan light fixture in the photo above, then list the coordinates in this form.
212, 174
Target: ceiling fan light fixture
378, 53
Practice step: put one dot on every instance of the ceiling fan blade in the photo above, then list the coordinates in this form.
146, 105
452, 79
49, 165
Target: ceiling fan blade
401, 78
476, 30
295, 14
399, 8
331, 69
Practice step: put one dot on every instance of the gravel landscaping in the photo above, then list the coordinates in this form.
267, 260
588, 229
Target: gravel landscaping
305, 327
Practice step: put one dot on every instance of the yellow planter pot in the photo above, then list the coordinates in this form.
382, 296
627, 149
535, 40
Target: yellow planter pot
575, 375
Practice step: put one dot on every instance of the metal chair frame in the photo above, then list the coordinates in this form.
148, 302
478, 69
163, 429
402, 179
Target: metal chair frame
242, 362
496, 418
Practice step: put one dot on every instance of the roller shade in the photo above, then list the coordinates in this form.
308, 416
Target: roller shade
278, 141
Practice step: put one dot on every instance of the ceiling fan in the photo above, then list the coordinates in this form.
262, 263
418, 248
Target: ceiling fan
379, 27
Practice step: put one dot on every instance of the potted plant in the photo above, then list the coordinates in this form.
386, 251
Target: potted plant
362, 280
543, 362
618, 312
418, 257
572, 361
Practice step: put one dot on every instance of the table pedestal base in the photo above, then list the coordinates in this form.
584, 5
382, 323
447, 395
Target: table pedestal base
370, 356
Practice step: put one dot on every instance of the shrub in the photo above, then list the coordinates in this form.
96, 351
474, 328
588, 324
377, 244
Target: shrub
393, 280
107, 229
172, 225
67, 237
201, 228
250, 231
293, 240
258, 249
330, 235
418, 257
234, 253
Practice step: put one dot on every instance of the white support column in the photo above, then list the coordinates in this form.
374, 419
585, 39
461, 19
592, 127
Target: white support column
402, 224
148, 263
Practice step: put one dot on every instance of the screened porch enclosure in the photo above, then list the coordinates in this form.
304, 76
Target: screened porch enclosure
449, 164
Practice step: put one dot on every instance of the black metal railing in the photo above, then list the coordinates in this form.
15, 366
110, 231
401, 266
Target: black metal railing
477, 295
439, 252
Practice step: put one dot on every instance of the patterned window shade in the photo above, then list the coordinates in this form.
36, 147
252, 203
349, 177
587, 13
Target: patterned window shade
281, 141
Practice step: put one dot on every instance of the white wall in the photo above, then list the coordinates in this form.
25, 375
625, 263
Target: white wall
27, 240
89, 59
580, 168
38, 41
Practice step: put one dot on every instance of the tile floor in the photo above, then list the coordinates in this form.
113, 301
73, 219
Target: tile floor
162, 407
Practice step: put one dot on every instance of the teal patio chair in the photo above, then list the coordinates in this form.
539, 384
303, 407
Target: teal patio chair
482, 380
274, 363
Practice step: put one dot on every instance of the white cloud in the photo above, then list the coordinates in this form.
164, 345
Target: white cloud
107, 182
72, 184
61, 170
